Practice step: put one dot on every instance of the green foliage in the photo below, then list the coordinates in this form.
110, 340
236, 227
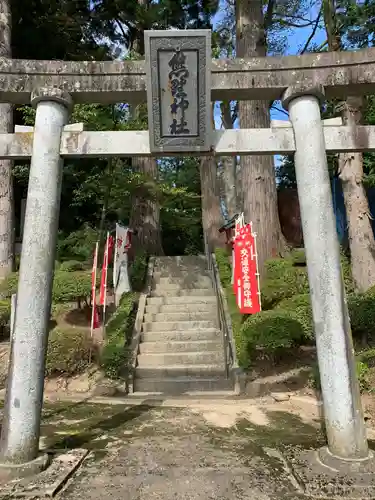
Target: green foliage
282, 280
298, 257
71, 286
69, 351
4, 315
71, 265
270, 331
68, 286
299, 308
115, 355
224, 266
78, 245
362, 315
362, 368
138, 271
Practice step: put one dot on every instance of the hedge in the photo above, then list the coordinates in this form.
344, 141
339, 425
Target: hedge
72, 265
270, 331
299, 307
286, 318
67, 286
69, 351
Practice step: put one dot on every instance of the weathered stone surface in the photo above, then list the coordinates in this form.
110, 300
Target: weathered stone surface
179, 89
225, 142
50, 481
320, 475
340, 73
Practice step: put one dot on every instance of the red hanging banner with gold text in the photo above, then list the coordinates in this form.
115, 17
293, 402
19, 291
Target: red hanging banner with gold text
246, 283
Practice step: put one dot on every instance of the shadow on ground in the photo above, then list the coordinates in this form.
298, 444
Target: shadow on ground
87, 425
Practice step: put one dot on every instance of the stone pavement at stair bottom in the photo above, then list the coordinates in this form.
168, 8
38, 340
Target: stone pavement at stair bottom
197, 452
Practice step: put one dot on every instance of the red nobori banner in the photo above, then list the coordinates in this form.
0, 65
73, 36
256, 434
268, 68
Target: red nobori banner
246, 283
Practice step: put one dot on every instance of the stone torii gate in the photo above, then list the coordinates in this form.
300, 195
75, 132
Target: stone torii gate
302, 82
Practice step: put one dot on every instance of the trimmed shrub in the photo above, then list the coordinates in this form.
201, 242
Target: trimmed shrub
299, 307
67, 286
271, 331
362, 315
282, 280
115, 353
72, 286
68, 351
72, 265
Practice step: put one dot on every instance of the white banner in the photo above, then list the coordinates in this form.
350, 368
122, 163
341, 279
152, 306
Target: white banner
121, 281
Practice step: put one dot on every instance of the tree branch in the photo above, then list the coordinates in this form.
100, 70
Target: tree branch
312, 33
119, 24
269, 13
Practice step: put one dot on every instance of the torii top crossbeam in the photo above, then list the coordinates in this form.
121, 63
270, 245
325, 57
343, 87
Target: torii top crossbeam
340, 73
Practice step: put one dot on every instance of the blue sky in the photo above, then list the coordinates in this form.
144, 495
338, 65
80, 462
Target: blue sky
296, 40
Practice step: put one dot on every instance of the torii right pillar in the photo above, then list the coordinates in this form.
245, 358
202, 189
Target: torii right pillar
345, 427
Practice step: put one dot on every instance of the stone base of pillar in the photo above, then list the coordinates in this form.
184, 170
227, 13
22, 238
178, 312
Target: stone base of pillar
319, 474
10, 471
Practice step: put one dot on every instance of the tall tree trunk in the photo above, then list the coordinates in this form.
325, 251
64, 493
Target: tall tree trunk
211, 213
258, 186
229, 166
361, 236
6, 179
145, 214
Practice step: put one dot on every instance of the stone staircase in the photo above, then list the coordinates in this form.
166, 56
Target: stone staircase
181, 349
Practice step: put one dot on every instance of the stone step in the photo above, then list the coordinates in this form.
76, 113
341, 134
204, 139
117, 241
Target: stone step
174, 371
182, 335
182, 385
163, 326
190, 299
194, 292
180, 346
183, 281
182, 308
181, 258
178, 273
180, 268
176, 288
165, 359
180, 316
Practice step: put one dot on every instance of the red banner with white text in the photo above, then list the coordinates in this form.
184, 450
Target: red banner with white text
246, 283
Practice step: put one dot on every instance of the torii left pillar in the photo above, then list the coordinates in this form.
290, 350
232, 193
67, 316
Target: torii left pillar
20, 432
